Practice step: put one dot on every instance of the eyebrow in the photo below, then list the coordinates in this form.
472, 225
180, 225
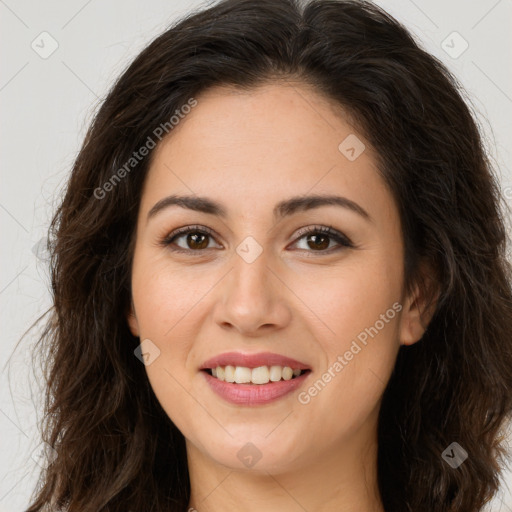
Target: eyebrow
282, 209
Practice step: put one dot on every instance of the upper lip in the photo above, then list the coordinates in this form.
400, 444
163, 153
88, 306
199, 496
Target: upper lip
253, 360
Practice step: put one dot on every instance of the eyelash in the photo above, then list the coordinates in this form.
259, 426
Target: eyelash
341, 239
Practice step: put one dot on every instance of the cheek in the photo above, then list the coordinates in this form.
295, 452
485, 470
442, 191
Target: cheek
356, 324
349, 298
167, 302
165, 295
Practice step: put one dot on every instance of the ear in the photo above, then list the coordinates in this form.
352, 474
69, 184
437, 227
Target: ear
419, 307
132, 321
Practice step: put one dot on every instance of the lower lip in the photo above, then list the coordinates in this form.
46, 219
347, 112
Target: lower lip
254, 394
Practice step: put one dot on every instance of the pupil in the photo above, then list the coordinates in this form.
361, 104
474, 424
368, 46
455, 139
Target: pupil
192, 237
320, 246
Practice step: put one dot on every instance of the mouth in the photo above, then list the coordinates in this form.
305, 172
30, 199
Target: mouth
247, 379
246, 386
257, 376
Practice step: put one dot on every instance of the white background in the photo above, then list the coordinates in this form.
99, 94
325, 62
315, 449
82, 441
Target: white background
47, 103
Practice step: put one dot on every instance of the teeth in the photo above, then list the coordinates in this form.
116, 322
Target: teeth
287, 373
242, 375
276, 372
229, 373
260, 375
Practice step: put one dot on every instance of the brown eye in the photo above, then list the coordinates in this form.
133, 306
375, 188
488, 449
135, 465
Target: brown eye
196, 239
318, 239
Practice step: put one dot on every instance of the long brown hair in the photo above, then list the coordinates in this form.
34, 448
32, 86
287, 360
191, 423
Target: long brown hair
116, 448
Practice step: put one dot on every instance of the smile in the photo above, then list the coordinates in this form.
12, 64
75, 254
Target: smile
260, 375
248, 393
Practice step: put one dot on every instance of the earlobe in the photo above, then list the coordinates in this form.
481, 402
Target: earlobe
418, 310
132, 321
412, 328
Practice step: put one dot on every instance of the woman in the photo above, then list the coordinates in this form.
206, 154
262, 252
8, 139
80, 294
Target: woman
279, 277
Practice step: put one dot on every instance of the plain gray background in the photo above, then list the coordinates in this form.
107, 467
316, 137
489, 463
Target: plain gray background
47, 101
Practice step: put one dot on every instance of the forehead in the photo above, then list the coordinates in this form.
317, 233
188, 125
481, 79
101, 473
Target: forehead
268, 122
258, 146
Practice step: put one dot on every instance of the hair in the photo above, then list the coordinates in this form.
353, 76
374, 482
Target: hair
117, 449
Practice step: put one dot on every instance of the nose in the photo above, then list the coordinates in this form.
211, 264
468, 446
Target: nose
252, 298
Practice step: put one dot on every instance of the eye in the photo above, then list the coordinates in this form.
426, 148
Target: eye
197, 238
318, 238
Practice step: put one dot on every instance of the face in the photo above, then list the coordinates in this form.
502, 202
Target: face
262, 275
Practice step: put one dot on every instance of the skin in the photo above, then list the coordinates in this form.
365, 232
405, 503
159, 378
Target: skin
248, 151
